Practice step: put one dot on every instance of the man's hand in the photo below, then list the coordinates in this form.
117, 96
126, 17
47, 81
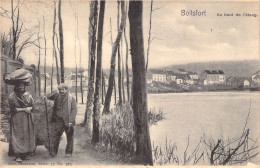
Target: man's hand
44, 97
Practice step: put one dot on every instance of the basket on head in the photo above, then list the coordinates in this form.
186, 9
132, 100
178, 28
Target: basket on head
18, 76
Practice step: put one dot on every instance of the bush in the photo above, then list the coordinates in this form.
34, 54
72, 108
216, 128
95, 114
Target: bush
154, 116
117, 130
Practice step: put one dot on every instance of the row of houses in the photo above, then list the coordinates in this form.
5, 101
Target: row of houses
207, 77
164, 76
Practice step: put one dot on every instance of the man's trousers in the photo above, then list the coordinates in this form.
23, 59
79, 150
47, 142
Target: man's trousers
57, 129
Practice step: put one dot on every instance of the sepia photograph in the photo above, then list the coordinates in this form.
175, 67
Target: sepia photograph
130, 83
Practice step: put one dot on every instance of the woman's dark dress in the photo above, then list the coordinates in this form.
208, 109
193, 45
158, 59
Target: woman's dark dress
22, 129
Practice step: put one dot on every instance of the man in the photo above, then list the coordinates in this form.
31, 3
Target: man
63, 119
22, 137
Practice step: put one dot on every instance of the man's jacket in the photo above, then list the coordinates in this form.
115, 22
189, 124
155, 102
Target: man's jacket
67, 107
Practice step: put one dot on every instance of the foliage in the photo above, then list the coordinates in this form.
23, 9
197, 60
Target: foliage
154, 116
165, 154
40, 122
117, 130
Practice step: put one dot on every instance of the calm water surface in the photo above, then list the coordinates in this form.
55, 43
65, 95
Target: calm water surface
215, 114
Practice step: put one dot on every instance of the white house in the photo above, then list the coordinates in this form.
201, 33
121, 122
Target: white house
158, 75
213, 77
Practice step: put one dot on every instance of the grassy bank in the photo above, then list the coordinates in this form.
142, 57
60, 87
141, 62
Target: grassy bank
157, 87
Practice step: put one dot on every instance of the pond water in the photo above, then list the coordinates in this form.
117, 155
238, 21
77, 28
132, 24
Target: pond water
215, 114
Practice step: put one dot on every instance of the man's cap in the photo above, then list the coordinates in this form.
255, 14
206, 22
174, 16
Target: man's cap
63, 85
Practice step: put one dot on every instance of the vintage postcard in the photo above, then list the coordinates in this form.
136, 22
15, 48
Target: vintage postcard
129, 83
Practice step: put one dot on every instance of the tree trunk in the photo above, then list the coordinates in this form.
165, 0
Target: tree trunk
76, 65
44, 37
103, 87
52, 71
143, 143
39, 60
81, 89
96, 109
114, 83
61, 44
123, 74
80, 67
119, 76
54, 48
126, 67
149, 36
91, 75
14, 32
106, 109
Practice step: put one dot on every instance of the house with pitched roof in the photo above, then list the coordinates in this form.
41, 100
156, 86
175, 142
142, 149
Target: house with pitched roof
256, 78
157, 75
183, 79
213, 77
170, 75
238, 81
193, 75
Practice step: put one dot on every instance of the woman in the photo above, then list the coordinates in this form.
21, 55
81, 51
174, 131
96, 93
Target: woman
22, 141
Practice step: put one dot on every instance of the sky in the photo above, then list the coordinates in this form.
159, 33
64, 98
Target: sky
177, 39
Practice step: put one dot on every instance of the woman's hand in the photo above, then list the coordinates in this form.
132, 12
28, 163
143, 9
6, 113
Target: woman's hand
28, 109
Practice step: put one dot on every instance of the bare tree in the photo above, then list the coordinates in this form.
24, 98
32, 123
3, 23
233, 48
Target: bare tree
44, 37
14, 28
106, 109
115, 96
123, 74
149, 36
126, 67
52, 72
114, 81
119, 75
143, 153
91, 75
61, 44
17, 27
103, 87
76, 64
39, 59
80, 67
53, 43
96, 109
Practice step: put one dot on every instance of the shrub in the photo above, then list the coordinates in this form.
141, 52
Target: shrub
117, 130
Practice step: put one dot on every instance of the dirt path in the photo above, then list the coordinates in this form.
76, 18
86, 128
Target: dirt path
83, 153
